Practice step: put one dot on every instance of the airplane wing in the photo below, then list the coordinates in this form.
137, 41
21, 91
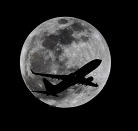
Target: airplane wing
55, 76
43, 92
52, 75
88, 82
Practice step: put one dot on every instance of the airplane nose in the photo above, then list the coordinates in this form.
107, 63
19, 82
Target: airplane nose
97, 61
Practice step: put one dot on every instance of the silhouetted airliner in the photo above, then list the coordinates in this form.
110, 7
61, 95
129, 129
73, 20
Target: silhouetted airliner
77, 77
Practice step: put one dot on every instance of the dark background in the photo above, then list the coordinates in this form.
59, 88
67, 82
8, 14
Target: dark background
108, 18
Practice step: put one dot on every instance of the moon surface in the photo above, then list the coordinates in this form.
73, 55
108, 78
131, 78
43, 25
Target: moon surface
60, 46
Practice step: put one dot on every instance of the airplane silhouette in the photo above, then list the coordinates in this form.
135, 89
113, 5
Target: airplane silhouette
77, 77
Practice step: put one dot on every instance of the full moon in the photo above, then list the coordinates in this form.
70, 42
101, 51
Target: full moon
61, 46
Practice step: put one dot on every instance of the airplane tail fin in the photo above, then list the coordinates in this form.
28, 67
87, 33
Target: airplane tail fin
47, 83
